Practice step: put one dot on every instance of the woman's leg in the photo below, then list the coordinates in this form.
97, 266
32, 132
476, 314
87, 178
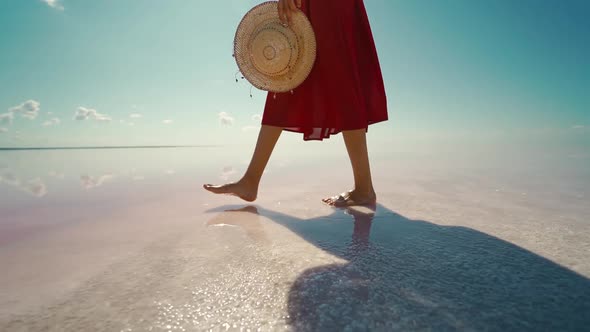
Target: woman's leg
363, 192
247, 187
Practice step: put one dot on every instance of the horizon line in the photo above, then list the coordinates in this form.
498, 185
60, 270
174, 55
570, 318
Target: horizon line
107, 147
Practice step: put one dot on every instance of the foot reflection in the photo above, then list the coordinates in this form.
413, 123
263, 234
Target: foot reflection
363, 218
247, 218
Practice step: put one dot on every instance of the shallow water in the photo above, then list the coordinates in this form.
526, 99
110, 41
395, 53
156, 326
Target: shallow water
127, 240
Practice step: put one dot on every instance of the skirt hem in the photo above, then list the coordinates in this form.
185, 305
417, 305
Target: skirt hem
319, 134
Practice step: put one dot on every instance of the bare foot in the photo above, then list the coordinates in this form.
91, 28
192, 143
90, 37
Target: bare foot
240, 189
352, 198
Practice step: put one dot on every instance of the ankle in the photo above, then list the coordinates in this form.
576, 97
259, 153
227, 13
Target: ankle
249, 181
365, 190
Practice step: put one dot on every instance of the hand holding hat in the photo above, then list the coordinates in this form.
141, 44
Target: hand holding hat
287, 8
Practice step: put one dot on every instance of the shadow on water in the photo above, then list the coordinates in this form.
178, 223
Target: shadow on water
405, 274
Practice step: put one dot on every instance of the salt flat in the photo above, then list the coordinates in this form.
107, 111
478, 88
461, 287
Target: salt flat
128, 241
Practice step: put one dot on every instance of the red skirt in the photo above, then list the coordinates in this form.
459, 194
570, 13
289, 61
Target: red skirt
344, 90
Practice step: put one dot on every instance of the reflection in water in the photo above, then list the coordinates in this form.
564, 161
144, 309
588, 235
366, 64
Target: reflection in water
404, 274
37, 172
55, 174
138, 177
227, 172
135, 175
90, 182
34, 186
246, 218
363, 217
9, 178
37, 187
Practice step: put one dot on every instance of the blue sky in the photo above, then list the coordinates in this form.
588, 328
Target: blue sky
113, 72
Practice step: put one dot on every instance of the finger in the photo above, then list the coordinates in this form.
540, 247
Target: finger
289, 17
293, 8
298, 3
281, 8
289, 9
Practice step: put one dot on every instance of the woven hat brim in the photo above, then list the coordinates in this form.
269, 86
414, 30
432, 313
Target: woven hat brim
271, 56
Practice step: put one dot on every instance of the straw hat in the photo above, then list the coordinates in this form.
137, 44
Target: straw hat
272, 56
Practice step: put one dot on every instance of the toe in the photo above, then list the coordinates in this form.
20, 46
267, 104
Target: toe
332, 200
214, 188
342, 203
337, 200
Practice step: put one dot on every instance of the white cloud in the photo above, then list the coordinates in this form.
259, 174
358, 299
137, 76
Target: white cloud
578, 127
167, 121
135, 115
84, 113
225, 119
257, 117
54, 4
6, 118
3, 130
29, 109
52, 122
